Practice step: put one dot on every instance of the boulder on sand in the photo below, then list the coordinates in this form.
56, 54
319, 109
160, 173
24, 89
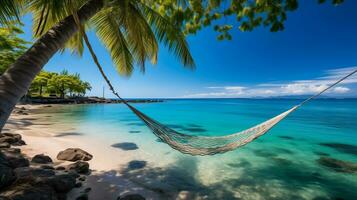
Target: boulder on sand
74, 154
79, 167
42, 159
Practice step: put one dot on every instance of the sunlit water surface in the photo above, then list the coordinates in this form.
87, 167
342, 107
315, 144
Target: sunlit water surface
283, 164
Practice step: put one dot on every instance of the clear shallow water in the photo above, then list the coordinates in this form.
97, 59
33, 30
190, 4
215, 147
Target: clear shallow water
283, 164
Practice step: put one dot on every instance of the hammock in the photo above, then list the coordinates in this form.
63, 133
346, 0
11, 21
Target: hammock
203, 145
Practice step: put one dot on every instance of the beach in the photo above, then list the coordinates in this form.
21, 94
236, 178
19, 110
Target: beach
128, 159
42, 137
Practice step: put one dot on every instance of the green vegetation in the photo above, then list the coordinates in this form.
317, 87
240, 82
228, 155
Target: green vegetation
58, 84
226, 15
11, 46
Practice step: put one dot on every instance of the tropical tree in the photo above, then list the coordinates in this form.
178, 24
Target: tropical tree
11, 46
59, 83
130, 30
40, 82
82, 88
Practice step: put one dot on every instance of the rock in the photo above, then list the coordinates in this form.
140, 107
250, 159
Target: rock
82, 197
13, 139
19, 143
60, 168
28, 172
42, 159
82, 178
4, 145
338, 165
13, 135
88, 189
80, 167
62, 183
74, 154
73, 173
15, 160
47, 167
7, 176
131, 197
29, 191
78, 185
8, 139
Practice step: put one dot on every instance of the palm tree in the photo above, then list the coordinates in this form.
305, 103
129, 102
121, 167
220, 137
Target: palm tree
130, 30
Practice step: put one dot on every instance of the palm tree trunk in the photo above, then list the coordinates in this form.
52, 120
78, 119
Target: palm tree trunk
17, 79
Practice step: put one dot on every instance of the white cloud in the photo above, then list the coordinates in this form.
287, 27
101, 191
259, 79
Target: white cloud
297, 87
341, 89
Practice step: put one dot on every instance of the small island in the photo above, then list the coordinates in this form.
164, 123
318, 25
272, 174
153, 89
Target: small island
84, 100
66, 88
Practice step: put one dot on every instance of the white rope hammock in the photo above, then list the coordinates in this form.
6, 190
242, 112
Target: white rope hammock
203, 145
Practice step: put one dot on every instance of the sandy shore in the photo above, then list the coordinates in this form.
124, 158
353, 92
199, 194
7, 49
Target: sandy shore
105, 180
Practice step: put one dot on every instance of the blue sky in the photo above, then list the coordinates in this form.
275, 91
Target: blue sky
318, 45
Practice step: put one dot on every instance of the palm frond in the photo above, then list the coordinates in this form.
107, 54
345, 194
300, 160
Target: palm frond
75, 44
109, 32
138, 34
9, 11
48, 13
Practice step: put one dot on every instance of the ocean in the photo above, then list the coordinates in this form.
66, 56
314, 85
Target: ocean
311, 154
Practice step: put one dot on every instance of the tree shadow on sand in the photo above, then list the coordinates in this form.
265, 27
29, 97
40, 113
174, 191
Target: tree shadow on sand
68, 134
126, 146
276, 179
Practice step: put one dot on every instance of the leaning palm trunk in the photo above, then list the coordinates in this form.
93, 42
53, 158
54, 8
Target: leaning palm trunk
15, 82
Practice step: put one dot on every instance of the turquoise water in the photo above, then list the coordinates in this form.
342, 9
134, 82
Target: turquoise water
283, 164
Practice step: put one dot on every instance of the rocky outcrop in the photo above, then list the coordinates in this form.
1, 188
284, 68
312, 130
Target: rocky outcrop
11, 139
14, 159
22, 180
74, 154
29, 191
